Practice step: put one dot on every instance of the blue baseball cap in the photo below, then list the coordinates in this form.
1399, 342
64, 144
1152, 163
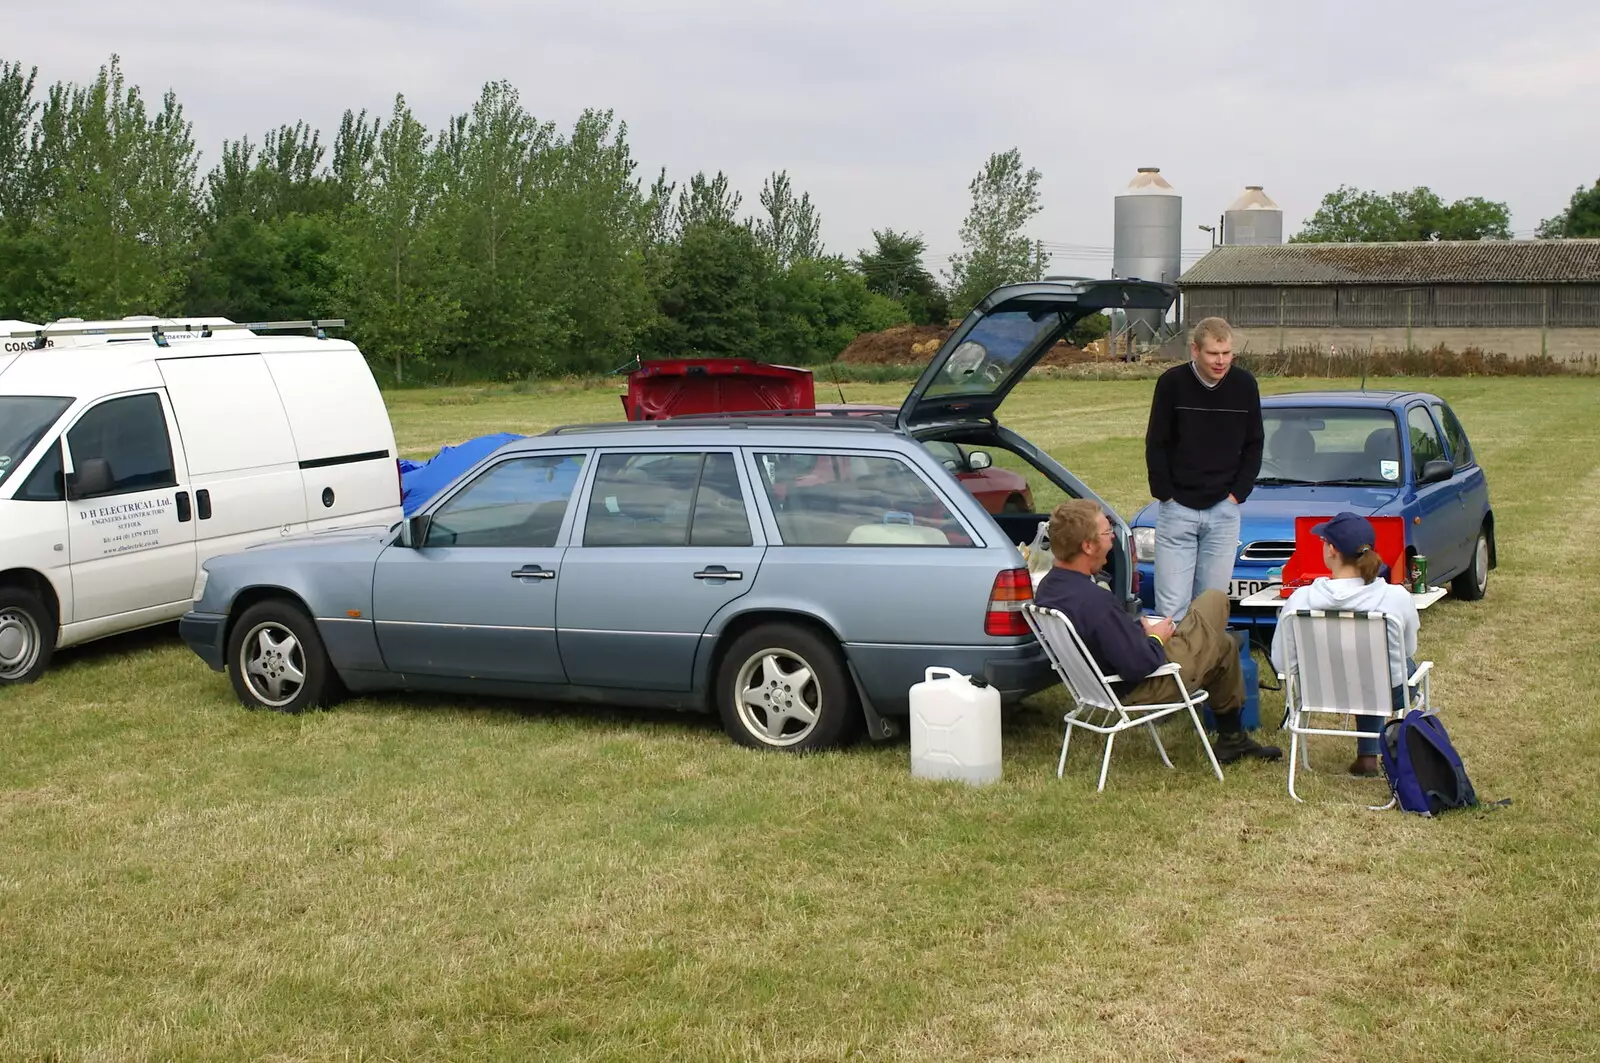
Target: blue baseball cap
1350, 533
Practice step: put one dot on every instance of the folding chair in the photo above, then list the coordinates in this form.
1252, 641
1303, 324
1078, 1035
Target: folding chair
1096, 701
1340, 667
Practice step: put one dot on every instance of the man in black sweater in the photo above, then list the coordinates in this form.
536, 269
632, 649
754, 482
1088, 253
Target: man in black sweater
1081, 539
1202, 451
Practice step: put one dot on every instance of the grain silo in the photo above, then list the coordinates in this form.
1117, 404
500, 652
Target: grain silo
1147, 240
1253, 218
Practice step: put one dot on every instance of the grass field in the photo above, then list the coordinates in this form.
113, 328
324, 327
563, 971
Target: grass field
415, 878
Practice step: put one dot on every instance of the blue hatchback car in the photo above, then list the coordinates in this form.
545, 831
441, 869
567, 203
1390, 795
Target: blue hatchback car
1377, 453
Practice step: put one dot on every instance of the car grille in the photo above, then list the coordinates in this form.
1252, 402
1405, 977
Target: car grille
1268, 550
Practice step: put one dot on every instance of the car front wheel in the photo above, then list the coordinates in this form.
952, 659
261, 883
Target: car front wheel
276, 659
27, 636
1472, 584
783, 686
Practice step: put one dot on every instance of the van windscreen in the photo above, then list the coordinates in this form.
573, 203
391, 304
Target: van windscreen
23, 420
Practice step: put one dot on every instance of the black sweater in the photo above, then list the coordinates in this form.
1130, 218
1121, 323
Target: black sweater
1117, 642
1203, 443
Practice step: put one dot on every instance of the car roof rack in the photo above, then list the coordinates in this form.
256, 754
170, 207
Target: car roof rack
158, 332
853, 423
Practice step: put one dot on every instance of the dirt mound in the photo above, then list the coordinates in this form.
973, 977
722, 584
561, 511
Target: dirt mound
915, 344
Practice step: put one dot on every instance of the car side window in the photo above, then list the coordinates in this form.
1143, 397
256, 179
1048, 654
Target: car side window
45, 483
515, 503
666, 499
1425, 443
851, 500
1460, 449
126, 440
720, 515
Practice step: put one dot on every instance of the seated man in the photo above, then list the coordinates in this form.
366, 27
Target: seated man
1081, 540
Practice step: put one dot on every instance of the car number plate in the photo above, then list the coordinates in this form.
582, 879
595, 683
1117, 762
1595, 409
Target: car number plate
1244, 588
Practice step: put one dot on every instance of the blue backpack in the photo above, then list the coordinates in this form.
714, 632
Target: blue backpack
1423, 768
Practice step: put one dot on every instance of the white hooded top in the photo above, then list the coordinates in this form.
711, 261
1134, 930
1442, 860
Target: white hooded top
1379, 596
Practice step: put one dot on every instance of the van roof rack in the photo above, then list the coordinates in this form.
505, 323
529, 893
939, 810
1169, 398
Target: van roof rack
158, 332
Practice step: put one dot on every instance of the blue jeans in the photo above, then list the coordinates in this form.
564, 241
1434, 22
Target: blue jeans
1195, 549
1368, 747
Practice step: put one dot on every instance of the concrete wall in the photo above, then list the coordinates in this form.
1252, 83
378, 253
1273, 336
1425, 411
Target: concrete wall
1568, 344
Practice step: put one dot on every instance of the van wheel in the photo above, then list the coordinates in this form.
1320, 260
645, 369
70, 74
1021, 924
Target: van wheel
27, 636
276, 659
782, 686
1473, 584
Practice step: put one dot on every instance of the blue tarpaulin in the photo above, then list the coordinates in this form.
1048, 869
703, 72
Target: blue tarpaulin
420, 481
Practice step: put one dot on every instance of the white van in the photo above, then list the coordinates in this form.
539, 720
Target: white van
132, 451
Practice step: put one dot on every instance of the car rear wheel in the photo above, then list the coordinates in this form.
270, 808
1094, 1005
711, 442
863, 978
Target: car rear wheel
27, 636
783, 686
276, 659
1472, 584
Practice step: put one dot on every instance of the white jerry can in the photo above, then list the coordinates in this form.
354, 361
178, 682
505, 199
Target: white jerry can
955, 728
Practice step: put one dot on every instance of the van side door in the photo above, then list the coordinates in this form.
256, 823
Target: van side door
239, 450
130, 512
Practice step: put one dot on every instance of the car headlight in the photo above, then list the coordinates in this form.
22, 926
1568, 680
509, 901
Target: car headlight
1144, 541
200, 584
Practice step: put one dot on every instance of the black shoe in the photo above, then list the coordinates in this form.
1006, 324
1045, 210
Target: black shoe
1236, 745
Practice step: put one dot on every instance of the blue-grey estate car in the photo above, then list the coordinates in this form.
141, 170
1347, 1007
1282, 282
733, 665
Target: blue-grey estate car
1378, 453
796, 574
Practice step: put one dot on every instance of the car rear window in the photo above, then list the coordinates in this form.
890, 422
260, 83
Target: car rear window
823, 499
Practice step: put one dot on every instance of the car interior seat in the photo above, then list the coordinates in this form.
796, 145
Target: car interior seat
1382, 445
1293, 448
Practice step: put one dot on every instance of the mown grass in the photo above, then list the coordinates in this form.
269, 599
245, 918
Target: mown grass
422, 878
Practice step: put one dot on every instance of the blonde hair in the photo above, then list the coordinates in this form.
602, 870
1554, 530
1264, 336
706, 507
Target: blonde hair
1072, 524
1211, 328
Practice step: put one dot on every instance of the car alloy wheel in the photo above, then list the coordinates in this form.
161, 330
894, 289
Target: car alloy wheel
779, 697
273, 664
785, 686
20, 641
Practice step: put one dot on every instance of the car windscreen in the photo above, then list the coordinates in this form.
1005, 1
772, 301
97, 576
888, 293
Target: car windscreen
23, 420
989, 355
1307, 445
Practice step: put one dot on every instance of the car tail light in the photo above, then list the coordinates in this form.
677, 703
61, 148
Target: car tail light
1011, 588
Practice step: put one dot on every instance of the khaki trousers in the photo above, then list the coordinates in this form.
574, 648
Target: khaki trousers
1209, 658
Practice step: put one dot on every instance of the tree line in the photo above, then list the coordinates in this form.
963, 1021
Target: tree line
496, 247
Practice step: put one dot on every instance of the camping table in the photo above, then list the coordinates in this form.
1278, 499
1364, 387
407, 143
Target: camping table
1268, 597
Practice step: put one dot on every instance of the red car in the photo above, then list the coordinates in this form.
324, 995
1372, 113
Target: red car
686, 386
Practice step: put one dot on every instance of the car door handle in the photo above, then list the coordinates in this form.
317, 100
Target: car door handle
202, 502
527, 572
717, 572
184, 512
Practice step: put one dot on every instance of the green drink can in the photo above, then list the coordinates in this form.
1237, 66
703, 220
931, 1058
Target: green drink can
1419, 584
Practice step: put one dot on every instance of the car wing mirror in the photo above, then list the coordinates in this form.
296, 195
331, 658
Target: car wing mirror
414, 531
978, 460
1436, 471
91, 476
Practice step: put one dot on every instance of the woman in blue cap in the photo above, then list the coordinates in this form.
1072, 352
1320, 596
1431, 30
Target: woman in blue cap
1354, 584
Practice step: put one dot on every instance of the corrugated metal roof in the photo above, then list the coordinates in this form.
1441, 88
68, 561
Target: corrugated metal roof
1440, 262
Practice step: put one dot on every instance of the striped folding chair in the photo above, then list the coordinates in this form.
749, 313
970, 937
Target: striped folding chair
1096, 706
1338, 666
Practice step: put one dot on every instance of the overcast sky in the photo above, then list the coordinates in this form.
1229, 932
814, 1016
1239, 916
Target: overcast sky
883, 110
